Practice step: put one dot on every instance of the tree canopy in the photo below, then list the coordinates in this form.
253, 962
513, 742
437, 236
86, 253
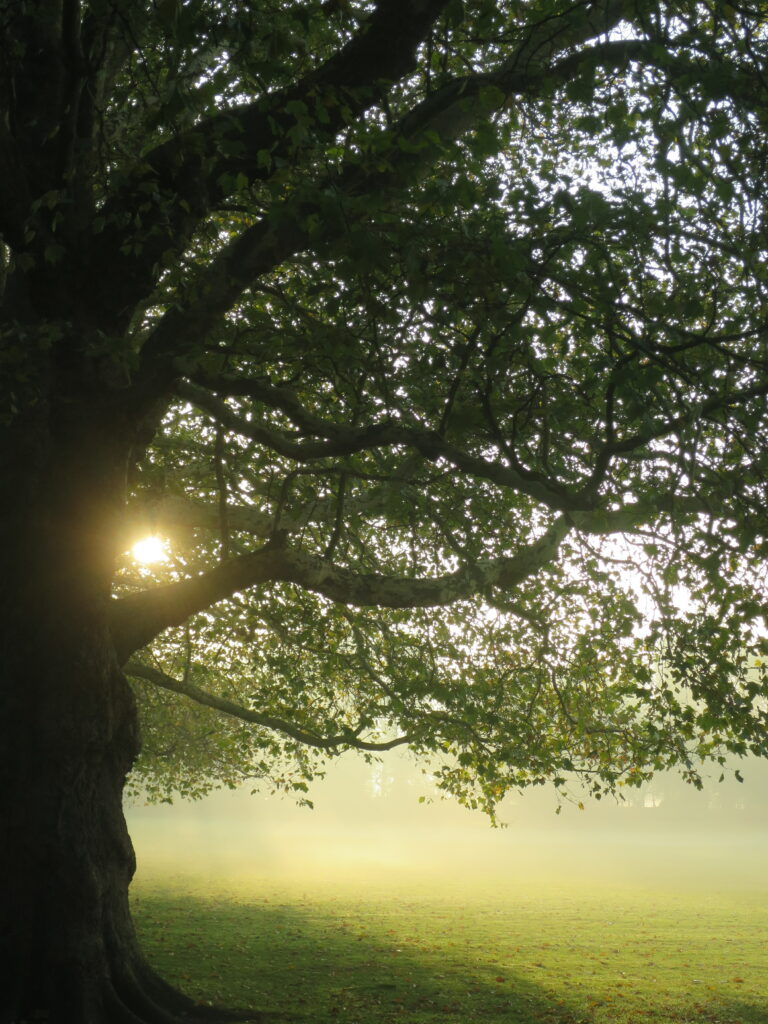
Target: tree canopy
439, 333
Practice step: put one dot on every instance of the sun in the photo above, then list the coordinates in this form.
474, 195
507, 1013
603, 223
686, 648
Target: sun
150, 550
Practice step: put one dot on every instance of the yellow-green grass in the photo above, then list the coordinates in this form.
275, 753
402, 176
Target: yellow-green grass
513, 953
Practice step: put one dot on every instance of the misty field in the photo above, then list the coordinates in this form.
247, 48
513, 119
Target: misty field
521, 955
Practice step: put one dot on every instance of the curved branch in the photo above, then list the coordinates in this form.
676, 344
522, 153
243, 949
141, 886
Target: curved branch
383, 51
405, 152
703, 410
137, 619
339, 440
196, 169
346, 738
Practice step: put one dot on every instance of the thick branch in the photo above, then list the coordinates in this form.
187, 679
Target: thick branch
346, 738
136, 620
436, 121
383, 51
139, 618
193, 171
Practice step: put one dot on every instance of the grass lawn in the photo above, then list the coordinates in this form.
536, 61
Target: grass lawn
512, 953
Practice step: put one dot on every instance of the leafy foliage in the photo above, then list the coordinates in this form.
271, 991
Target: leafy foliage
438, 332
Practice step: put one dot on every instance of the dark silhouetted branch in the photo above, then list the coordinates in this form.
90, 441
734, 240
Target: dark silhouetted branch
346, 738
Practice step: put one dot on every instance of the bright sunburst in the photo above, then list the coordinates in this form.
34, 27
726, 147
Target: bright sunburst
149, 550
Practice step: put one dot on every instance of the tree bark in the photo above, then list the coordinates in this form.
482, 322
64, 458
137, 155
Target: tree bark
68, 737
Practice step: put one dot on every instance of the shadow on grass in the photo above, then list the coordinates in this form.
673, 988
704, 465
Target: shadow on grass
731, 1011
332, 962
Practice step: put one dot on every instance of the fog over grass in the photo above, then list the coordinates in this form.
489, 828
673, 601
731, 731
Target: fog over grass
368, 829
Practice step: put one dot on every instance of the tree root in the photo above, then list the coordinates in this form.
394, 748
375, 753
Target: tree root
148, 999
128, 999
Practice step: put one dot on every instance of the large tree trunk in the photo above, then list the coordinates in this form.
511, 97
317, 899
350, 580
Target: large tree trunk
68, 737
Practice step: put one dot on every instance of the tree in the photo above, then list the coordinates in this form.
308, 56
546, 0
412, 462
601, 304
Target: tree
433, 335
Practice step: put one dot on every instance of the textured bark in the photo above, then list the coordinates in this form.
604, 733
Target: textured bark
68, 737
68, 950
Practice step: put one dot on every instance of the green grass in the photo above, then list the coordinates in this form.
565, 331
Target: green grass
469, 956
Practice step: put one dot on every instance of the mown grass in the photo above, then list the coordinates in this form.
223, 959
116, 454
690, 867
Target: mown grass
515, 955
